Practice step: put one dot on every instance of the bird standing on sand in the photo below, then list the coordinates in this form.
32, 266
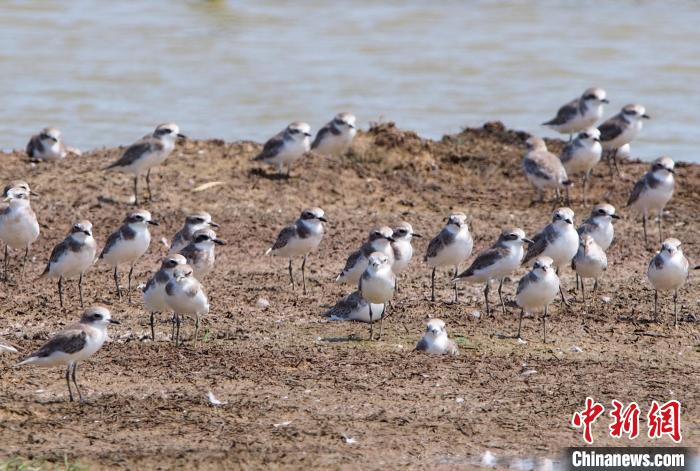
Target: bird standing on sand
300, 239
193, 223
146, 153
185, 297
543, 169
497, 262
72, 257
74, 344
154, 291
589, 262
377, 285
451, 247
286, 147
580, 113
201, 252
403, 249
379, 240
620, 130
668, 271
128, 244
537, 290
435, 340
335, 138
19, 228
599, 225
581, 155
653, 191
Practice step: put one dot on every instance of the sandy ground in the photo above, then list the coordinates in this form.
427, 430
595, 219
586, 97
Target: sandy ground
302, 391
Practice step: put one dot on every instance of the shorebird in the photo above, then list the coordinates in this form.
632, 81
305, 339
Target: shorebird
144, 154
18, 224
286, 147
435, 340
335, 137
72, 257
581, 155
497, 262
403, 250
543, 169
600, 225
74, 344
193, 223
300, 239
47, 145
200, 253
377, 285
620, 130
154, 291
558, 241
185, 296
537, 290
379, 240
451, 247
589, 262
128, 244
668, 271
580, 113
653, 191
352, 307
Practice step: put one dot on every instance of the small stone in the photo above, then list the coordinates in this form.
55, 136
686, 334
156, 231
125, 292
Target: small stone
262, 303
576, 349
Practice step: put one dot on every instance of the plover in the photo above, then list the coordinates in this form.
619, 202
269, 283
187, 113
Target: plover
543, 169
668, 271
74, 344
558, 241
620, 130
47, 145
193, 223
144, 154
589, 262
451, 247
435, 340
128, 244
403, 249
581, 155
300, 239
537, 290
377, 285
154, 291
600, 225
379, 240
186, 297
580, 113
497, 262
200, 253
72, 257
335, 137
653, 191
286, 147
19, 228
352, 307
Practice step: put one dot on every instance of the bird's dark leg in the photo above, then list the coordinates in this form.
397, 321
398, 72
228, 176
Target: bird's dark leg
24, 260
131, 272
172, 321
561, 290
177, 329
486, 298
291, 277
455, 283
577, 282
75, 368
303, 275
656, 305
116, 283
544, 325
60, 290
500, 295
371, 322
80, 289
661, 216
6, 262
520, 322
644, 226
675, 308
595, 286
583, 290
148, 185
196, 329
432, 286
381, 323
136, 190
586, 176
153, 326
70, 393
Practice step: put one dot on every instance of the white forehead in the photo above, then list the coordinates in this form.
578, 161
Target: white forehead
177, 258
515, 230
437, 323
598, 92
565, 212
675, 243
638, 109
378, 257
593, 132
461, 217
143, 213
608, 208
304, 127
347, 117
544, 260
208, 232
53, 132
385, 231
100, 310
666, 162
536, 142
174, 128
318, 212
404, 225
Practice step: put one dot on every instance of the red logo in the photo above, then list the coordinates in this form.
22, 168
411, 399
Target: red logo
665, 420
587, 417
624, 420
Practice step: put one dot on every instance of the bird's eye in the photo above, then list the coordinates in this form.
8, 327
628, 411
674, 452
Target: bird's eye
293, 131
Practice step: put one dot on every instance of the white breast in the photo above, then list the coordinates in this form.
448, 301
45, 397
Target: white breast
655, 199
128, 251
19, 229
540, 293
672, 276
564, 247
406, 254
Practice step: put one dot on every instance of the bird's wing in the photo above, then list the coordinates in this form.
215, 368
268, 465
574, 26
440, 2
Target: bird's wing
284, 237
524, 282
352, 260
436, 245
345, 306
68, 341
611, 128
564, 114
111, 242
422, 345
483, 260
271, 147
34, 145
637, 190
321, 134
135, 151
536, 249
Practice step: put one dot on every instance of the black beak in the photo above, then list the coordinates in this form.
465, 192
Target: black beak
87, 233
307, 134
391, 239
214, 225
181, 136
605, 100
596, 139
153, 223
323, 219
219, 241
646, 116
570, 221
113, 321
417, 235
529, 241
615, 216
34, 194
351, 126
671, 170
697, 267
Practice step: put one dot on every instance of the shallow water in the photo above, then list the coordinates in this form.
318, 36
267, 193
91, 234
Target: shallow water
107, 72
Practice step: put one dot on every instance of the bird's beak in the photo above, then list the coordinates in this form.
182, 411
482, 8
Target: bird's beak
114, 321
569, 221
7, 198
214, 225
646, 116
87, 233
673, 171
596, 139
351, 126
415, 234
34, 194
391, 239
153, 223
605, 100
323, 219
181, 136
697, 267
615, 216
307, 134
529, 241
219, 241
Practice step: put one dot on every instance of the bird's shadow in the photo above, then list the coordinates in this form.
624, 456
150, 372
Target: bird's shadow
259, 172
346, 338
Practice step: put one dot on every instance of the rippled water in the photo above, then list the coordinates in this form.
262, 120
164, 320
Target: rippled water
105, 72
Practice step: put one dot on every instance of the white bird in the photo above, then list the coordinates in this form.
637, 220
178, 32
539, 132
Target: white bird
74, 344
19, 228
653, 191
128, 244
201, 253
47, 145
451, 247
193, 223
537, 290
300, 239
497, 262
352, 308
377, 285
668, 271
403, 249
185, 296
154, 291
558, 241
146, 153
543, 169
435, 340
72, 257
580, 113
621, 129
589, 262
581, 155
335, 137
600, 225
379, 240
286, 147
